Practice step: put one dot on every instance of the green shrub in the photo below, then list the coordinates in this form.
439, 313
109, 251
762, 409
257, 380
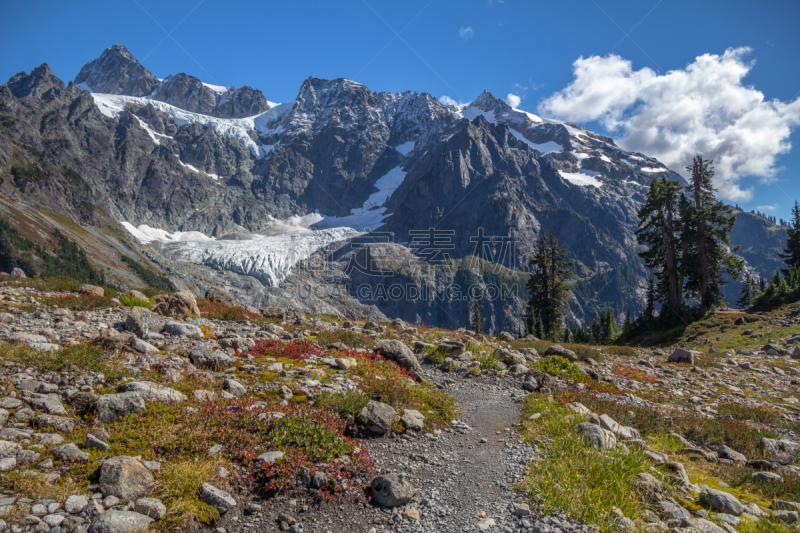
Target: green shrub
348, 338
488, 361
130, 300
347, 403
559, 367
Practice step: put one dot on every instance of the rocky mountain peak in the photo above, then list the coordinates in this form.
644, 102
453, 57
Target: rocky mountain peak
116, 71
36, 84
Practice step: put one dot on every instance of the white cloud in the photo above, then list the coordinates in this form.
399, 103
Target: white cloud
466, 33
768, 208
704, 108
446, 100
513, 100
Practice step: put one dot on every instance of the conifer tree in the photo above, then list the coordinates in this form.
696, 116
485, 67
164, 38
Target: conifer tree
649, 312
547, 285
705, 227
658, 230
477, 318
626, 326
791, 254
748, 291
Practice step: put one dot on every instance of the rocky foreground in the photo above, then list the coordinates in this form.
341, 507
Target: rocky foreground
173, 413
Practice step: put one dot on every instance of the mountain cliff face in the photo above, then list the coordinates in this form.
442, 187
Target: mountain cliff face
116, 71
182, 156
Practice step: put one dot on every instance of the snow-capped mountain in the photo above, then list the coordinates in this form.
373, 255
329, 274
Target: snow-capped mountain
179, 155
117, 72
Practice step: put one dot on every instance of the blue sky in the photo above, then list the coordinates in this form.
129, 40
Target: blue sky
458, 49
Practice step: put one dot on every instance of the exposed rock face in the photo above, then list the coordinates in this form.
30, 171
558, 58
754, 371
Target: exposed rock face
241, 102
187, 92
116, 71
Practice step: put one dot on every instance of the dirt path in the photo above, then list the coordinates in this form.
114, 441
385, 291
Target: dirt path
465, 476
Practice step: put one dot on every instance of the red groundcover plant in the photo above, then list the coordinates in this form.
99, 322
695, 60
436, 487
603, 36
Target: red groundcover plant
297, 350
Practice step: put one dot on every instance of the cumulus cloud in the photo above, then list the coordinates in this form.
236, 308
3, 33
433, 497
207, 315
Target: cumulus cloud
768, 208
513, 100
466, 33
704, 108
446, 100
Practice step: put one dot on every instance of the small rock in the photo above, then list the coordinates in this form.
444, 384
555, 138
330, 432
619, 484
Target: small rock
217, 498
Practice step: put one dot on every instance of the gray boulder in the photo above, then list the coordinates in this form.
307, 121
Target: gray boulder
143, 346
560, 351
70, 453
269, 458
377, 416
154, 392
120, 522
782, 451
729, 453
217, 498
17, 272
112, 407
57, 423
600, 437
151, 507
398, 352
391, 491
182, 330
205, 357
140, 321
216, 294
681, 355
413, 419
722, 502
234, 387
125, 477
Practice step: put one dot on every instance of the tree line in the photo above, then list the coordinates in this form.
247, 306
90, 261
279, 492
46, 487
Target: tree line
685, 233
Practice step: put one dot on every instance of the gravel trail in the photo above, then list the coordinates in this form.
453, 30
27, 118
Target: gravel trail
466, 475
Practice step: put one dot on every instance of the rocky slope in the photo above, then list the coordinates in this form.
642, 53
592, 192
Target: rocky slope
120, 418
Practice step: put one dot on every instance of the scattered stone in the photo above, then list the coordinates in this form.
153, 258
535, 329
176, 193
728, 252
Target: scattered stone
112, 407
125, 477
120, 522
398, 352
180, 329
151, 507
722, 502
391, 491
70, 453
413, 419
681, 355
377, 416
154, 392
560, 351
234, 387
784, 451
217, 498
205, 357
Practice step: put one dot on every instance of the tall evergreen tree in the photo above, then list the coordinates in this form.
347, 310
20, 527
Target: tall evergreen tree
609, 329
547, 285
477, 318
626, 326
705, 226
658, 230
649, 312
791, 254
748, 290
